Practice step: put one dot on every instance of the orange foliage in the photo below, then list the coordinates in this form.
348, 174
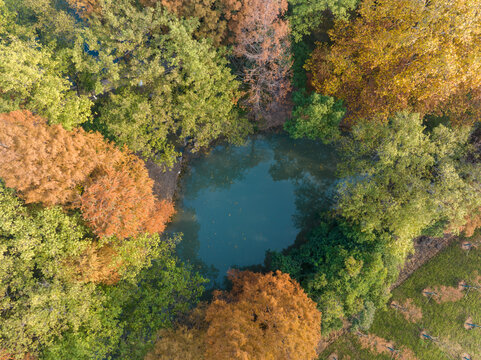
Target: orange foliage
185, 342
261, 36
99, 265
51, 165
120, 201
46, 163
6, 356
264, 317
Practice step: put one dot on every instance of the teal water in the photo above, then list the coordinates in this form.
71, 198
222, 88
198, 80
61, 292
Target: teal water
239, 201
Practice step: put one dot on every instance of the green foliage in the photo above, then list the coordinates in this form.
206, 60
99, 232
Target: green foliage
165, 89
162, 292
31, 79
315, 117
38, 302
365, 318
341, 269
49, 21
44, 311
403, 180
441, 320
307, 15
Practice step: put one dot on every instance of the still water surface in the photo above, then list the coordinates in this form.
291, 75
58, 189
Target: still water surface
239, 201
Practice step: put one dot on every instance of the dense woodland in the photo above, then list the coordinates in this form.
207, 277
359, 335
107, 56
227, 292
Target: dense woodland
91, 89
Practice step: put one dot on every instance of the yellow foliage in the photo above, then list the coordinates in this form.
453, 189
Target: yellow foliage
421, 55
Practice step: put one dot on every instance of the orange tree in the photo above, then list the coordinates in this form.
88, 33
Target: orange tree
420, 55
50, 165
46, 163
264, 316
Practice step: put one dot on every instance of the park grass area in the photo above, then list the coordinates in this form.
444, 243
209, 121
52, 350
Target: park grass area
443, 316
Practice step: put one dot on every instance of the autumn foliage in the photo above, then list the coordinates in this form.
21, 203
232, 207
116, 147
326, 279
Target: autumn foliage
50, 165
405, 54
46, 163
120, 201
186, 341
261, 38
264, 317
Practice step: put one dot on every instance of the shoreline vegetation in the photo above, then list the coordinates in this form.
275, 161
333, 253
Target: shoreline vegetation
103, 104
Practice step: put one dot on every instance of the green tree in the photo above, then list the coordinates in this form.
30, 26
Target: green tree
46, 312
341, 269
307, 15
315, 117
165, 89
31, 79
39, 303
403, 180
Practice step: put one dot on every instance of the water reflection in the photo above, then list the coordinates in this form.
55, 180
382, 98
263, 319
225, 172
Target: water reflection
237, 202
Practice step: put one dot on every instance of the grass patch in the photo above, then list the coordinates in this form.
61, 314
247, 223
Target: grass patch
443, 321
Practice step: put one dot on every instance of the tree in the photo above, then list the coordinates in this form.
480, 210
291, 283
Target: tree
166, 90
404, 54
208, 12
50, 165
307, 15
119, 201
44, 163
39, 303
341, 269
31, 79
402, 180
261, 39
45, 309
263, 317
186, 341
159, 295
85, 7
316, 117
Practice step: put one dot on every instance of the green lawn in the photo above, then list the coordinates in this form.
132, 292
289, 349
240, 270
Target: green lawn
443, 321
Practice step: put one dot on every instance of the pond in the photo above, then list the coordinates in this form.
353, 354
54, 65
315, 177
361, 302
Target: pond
239, 201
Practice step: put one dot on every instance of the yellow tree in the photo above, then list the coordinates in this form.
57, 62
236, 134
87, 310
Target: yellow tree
416, 54
263, 317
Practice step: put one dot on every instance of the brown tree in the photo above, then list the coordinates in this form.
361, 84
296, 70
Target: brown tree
260, 39
186, 341
421, 55
265, 317
44, 163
